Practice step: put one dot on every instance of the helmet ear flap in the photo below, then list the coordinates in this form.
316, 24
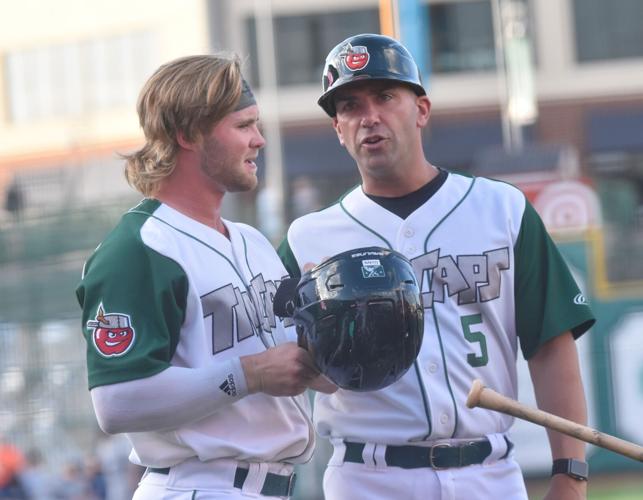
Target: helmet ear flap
330, 76
283, 304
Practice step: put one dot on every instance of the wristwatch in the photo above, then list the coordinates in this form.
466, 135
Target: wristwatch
573, 468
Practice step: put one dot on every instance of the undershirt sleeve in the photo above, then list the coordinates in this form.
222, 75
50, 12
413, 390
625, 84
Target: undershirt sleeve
170, 399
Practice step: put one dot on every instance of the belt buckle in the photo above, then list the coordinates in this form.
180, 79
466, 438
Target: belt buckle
432, 456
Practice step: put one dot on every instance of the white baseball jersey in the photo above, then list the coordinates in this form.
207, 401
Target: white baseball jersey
491, 280
165, 290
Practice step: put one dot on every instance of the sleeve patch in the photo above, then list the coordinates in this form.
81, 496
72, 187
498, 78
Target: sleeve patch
113, 334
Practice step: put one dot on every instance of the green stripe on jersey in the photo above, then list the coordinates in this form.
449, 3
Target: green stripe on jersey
288, 259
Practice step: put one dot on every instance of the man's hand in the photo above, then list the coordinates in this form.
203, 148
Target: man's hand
284, 370
322, 384
309, 265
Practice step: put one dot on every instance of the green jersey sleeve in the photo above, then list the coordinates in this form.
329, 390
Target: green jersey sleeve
133, 302
548, 300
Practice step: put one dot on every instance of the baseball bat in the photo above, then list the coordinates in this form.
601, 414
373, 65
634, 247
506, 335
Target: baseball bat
482, 396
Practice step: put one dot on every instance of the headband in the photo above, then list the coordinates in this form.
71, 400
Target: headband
247, 98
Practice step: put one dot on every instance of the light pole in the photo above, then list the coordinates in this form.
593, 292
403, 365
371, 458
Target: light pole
515, 71
270, 203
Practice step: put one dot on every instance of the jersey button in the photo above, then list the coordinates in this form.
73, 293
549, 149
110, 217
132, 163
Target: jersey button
411, 249
433, 367
408, 232
444, 418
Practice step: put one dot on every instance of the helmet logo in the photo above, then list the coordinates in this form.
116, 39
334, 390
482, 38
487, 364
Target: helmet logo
372, 268
113, 334
355, 58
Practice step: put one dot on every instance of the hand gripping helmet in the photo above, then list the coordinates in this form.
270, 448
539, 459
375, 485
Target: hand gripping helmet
367, 57
360, 316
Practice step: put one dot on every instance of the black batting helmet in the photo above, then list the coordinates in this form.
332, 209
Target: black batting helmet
360, 316
367, 57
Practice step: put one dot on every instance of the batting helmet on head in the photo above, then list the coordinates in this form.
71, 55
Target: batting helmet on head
360, 316
367, 57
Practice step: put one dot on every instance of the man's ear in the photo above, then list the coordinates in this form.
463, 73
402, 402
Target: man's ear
338, 130
424, 110
186, 143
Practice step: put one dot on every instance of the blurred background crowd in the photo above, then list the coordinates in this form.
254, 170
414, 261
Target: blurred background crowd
104, 473
546, 94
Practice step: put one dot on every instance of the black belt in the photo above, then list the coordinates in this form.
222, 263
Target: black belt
274, 485
439, 456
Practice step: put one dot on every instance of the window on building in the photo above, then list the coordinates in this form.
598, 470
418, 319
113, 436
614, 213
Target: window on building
462, 36
76, 78
608, 30
303, 41
462, 39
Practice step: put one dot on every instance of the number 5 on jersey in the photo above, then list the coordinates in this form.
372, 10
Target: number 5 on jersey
474, 336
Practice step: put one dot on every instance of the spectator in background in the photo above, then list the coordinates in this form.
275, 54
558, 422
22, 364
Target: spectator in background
96, 483
36, 481
12, 463
14, 202
73, 485
112, 453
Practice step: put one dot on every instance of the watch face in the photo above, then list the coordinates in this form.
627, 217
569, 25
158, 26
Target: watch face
573, 468
578, 469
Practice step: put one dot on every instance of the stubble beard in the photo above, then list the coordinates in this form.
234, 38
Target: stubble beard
227, 172
377, 166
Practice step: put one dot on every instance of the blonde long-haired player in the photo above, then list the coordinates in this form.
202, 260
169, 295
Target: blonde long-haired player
184, 353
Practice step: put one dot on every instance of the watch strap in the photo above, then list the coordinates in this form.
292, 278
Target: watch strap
574, 468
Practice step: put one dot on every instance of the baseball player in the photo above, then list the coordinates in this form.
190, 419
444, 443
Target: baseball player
492, 282
184, 352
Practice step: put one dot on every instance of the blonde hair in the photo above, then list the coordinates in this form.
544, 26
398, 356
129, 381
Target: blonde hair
188, 96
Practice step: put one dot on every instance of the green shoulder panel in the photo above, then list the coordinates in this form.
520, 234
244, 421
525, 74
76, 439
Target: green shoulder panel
288, 258
133, 301
548, 300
